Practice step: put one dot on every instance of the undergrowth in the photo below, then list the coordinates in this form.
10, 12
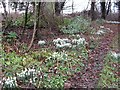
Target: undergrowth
109, 77
44, 68
75, 25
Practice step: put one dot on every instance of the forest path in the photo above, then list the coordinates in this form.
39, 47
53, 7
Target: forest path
89, 76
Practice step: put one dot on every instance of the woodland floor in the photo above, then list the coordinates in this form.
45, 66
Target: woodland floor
89, 76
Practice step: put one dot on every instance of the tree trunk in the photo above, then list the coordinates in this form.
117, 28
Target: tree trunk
58, 7
119, 11
38, 14
26, 14
5, 11
33, 4
108, 9
118, 25
34, 31
92, 10
103, 9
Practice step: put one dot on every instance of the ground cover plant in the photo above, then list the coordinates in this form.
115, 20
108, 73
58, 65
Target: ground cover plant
49, 69
75, 25
58, 56
110, 70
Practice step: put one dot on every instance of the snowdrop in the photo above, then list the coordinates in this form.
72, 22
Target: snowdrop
116, 55
55, 41
10, 82
102, 27
66, 40
41, 42
23, 73
58, 56
99, 32
74, 41
55, 54
79, 41
32, 71
113, 22
108, 29
27, 72
61, 43
67, 45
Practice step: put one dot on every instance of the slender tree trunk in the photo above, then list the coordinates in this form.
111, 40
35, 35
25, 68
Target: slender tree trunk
5, 11
38, 14
119, 25
16, 4
26, 15
119, 11
108, 9
33, 4
103, 9
34, 31
72, 6
93, 10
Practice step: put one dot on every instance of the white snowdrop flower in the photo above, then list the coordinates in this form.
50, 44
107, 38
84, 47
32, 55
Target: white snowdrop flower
41, 42
61, 43
30, 80
109, 29
4, 78
81, 41
59, 46
24, 58
56, 40
114, 54
74, 41
102, 27
0, 82
11, 82
78, 36
14, 78
55, 54
113, 22
66, 39
67, 45
34, 79
99, 32
25, 70
32, 70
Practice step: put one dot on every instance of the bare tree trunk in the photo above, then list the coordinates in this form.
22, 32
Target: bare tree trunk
92, 10
108, 9
103, 9
5, 11
38, 14
58, 7
34, 31
118, 25
26, 15
119, 11
72, 6
33, 4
